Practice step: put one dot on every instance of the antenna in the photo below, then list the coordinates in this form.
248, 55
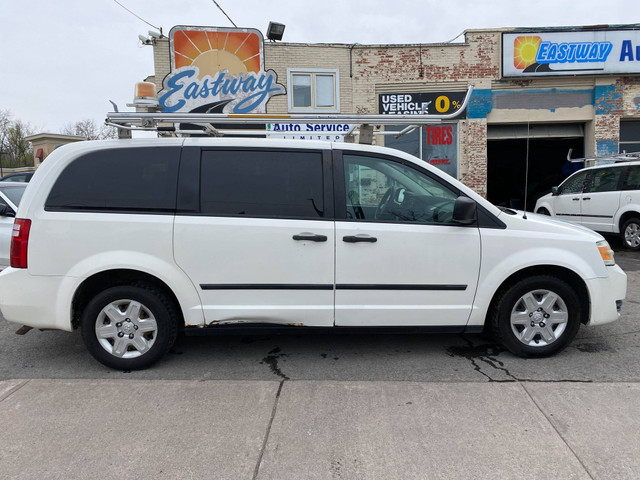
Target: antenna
526, 175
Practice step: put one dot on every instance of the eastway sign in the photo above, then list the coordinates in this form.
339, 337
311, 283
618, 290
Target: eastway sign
217, 70
600, 52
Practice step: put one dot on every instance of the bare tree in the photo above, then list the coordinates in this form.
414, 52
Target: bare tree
15, 151
5, 121
87, 128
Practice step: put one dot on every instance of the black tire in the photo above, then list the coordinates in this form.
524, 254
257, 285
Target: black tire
630, 234
511, 302
154, 327
543, 211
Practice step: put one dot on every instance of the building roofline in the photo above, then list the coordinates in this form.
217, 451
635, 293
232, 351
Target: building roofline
54, 136
368, 45
566, 28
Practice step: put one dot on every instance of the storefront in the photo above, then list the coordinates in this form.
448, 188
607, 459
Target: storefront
537, 94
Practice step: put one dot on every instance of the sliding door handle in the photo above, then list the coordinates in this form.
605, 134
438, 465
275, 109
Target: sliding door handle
311, 237
359, 238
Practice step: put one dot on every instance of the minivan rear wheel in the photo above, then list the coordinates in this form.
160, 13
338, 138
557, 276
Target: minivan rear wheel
129, 327
536, 317
630, 234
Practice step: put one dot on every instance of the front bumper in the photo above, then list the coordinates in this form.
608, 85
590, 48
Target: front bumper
604, 294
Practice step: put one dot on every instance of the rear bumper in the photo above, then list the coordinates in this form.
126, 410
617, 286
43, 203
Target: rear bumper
604, 293
35, 301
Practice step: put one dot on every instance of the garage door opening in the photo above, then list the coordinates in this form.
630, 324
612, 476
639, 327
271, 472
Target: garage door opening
548, 165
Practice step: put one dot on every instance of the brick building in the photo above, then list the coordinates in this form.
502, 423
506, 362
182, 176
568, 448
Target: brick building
537, 94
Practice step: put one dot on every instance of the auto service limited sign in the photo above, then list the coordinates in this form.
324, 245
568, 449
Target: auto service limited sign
217, 70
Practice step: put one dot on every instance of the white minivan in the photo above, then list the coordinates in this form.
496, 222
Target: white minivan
132, 241
605, 198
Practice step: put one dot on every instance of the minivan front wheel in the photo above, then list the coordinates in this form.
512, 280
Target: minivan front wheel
631, 234
129, 327
537, 316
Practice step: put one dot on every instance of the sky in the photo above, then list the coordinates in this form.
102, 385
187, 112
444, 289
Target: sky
62, 61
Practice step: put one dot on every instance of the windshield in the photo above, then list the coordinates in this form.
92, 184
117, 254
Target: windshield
13, 192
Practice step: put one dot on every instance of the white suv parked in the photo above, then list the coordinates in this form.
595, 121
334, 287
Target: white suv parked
134, 240
604, 198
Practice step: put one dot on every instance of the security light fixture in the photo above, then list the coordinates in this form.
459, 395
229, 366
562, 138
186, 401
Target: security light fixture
275, 31
144, 40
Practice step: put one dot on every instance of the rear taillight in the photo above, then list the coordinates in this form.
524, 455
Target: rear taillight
19, 242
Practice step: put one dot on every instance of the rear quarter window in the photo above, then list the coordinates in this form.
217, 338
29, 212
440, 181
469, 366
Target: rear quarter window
119, 180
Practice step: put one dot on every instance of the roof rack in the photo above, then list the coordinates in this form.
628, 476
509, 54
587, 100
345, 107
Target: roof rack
605, 159
218, 124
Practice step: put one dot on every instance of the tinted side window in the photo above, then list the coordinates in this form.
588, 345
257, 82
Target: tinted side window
604, 180
632, 182
386, 191
573, 184
254, 183
120, 179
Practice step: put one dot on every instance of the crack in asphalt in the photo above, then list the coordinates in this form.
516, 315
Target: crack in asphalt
487, 353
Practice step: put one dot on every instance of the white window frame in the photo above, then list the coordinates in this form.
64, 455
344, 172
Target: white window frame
313, 72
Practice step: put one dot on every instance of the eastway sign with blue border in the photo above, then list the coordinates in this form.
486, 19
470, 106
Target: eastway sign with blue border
599, 52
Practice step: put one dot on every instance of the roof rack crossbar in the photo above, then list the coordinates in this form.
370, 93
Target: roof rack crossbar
128, 121
613, 157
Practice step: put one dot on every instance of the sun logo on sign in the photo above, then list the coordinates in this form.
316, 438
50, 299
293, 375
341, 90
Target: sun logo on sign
211, 51
525, 50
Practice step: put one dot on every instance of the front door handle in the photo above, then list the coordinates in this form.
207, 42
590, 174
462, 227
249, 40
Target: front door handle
586, 198
576, 199
312, 237
359, 238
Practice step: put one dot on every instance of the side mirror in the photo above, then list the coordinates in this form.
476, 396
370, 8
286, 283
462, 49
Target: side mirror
6, 211
464, 211
554, 191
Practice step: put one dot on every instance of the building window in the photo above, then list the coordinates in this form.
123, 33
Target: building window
313, 90
629, 136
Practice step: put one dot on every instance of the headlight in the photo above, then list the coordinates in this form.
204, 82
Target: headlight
606, 253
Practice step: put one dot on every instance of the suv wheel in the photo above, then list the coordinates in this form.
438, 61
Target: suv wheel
129, 327
543, 211
536, 317
630, 234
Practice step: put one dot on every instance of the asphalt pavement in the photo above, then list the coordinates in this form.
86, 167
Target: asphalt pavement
325, 407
